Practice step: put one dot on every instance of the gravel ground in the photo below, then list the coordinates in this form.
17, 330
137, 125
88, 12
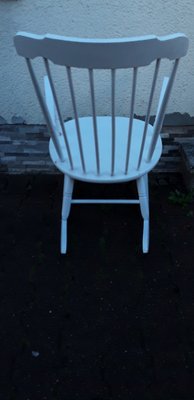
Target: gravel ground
104, 321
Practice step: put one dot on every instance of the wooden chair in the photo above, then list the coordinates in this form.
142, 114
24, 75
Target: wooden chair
103, 149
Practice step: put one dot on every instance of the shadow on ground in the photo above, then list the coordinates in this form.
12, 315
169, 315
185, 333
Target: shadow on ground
105, 321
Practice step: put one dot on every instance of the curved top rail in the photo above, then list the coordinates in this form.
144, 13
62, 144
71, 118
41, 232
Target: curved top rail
101, 53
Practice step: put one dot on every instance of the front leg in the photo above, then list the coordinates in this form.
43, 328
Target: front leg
142, 187
66, 206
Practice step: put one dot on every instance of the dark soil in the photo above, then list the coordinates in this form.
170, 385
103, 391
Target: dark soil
104, 321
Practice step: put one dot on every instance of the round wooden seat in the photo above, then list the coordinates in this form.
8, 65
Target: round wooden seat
105, 143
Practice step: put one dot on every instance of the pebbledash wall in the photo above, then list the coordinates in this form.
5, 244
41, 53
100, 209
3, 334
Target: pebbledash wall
89, 18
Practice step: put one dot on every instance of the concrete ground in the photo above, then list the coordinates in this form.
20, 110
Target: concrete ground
104, 321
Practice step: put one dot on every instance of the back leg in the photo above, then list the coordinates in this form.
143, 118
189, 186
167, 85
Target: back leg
142, 187
66, 205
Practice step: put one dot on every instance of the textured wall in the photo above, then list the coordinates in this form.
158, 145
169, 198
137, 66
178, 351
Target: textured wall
24, 149
90, 18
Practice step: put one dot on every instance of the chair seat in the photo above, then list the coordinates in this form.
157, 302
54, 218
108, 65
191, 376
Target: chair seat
104, 125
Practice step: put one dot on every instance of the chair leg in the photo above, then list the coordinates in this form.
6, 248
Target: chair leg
66, 205
142, 187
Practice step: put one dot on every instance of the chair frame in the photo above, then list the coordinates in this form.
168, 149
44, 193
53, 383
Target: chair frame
109, 54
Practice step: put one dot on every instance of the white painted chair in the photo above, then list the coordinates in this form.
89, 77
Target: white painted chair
103, 149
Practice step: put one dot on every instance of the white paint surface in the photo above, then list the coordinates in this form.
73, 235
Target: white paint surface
90, 18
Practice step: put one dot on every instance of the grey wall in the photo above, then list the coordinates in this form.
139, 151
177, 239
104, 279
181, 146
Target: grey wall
90, 18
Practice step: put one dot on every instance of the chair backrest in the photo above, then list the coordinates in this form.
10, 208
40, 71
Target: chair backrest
109, 54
